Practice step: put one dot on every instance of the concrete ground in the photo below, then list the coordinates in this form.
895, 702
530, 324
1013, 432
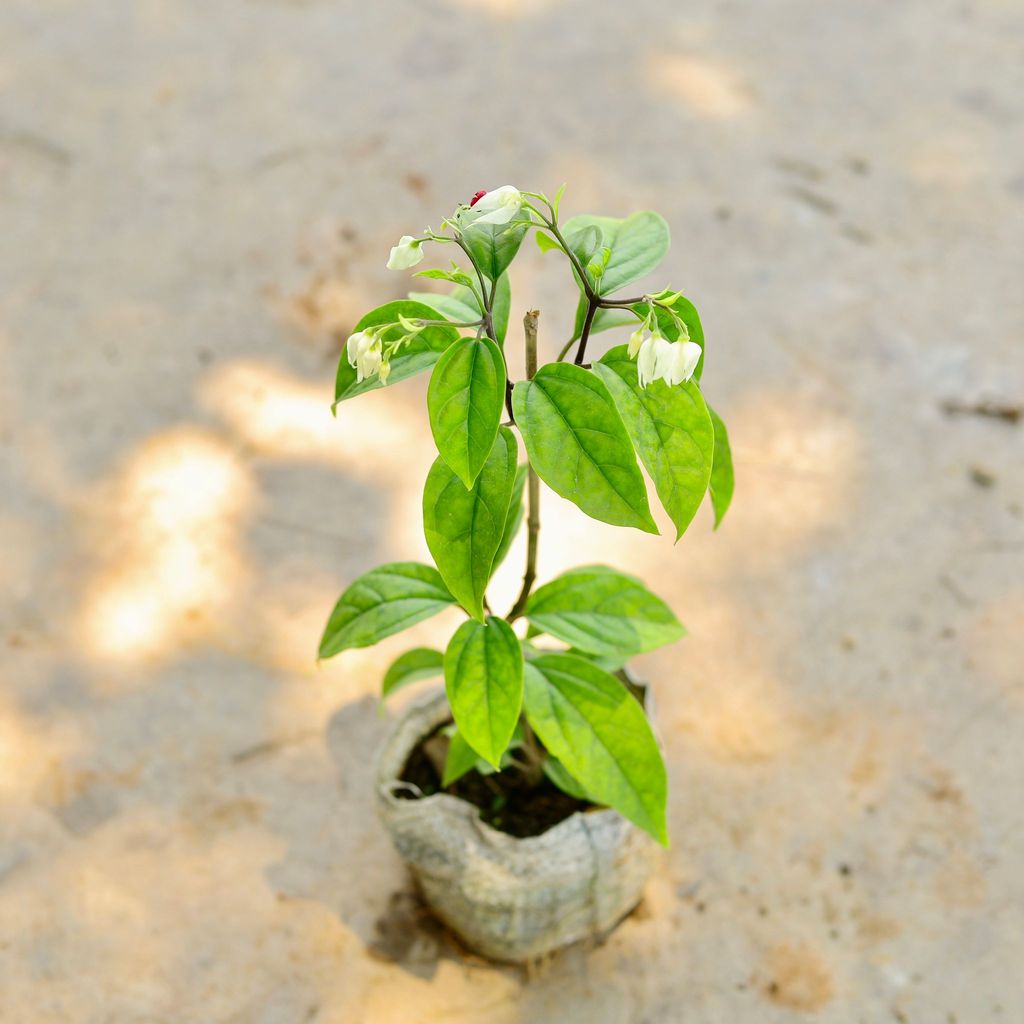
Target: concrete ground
196, 202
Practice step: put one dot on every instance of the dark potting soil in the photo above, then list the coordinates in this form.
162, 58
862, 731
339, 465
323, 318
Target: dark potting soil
506, 799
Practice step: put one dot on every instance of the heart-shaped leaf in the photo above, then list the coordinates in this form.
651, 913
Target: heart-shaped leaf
464, 402
670, 429
722, 480
419, 663
383, 601
494, 246
483, 675
638, 243
603, 611
464, 528
598, 730
514, 519
579, 446
419, 354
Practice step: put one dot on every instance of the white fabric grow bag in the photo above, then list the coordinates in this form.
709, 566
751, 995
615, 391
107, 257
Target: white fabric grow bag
509, 898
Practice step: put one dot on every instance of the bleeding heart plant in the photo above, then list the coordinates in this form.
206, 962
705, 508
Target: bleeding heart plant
571, 712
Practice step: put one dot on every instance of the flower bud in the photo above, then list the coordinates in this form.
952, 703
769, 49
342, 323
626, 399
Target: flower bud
636, 339
407, 253
496, 207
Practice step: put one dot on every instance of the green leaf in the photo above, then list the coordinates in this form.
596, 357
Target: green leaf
419, 663
578, 444
383, 601
638, 244
419, 354
671, 430
603, 611
557, 201
501, 309
584, 242
464, 401
461, 758
598, 730
514, 518
494, 246
460, 306
464, 528
456, 276
483, 674
555, 771
545, 242
609, 662
722, 480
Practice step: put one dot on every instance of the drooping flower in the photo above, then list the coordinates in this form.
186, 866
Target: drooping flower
406, 254
650, 358
677, 361
364, 353
498, 206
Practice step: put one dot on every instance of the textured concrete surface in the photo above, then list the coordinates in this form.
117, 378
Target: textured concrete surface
196, 201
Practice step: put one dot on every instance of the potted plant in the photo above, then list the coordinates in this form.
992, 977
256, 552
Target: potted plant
527, 797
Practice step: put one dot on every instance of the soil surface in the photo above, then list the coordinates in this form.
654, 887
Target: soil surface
508, 800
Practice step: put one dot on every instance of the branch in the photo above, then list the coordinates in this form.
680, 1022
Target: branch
585, 333
532, 482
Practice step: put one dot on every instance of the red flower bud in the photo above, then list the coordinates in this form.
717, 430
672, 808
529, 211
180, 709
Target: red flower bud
476, 199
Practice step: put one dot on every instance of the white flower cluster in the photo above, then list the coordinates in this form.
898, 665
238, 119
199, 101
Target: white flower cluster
658, 359
366, 354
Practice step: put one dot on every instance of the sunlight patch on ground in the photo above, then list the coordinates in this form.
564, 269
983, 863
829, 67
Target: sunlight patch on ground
171, 538
797, 471
283, 416
736, 716
505, 9
29, 748
995, 643
150, 904
708, 88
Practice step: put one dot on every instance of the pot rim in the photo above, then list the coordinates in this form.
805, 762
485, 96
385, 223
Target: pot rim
433, 704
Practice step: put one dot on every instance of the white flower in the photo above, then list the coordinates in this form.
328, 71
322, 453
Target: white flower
636, 339
677, 361
496, 207
364, 353
650, 358
407, 253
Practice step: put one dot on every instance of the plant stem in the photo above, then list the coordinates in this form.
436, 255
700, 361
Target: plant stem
488, 322
585, 333
532, 482
565, 348
535, 755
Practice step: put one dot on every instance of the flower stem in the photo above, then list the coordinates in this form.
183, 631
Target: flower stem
488, 323
532, 482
